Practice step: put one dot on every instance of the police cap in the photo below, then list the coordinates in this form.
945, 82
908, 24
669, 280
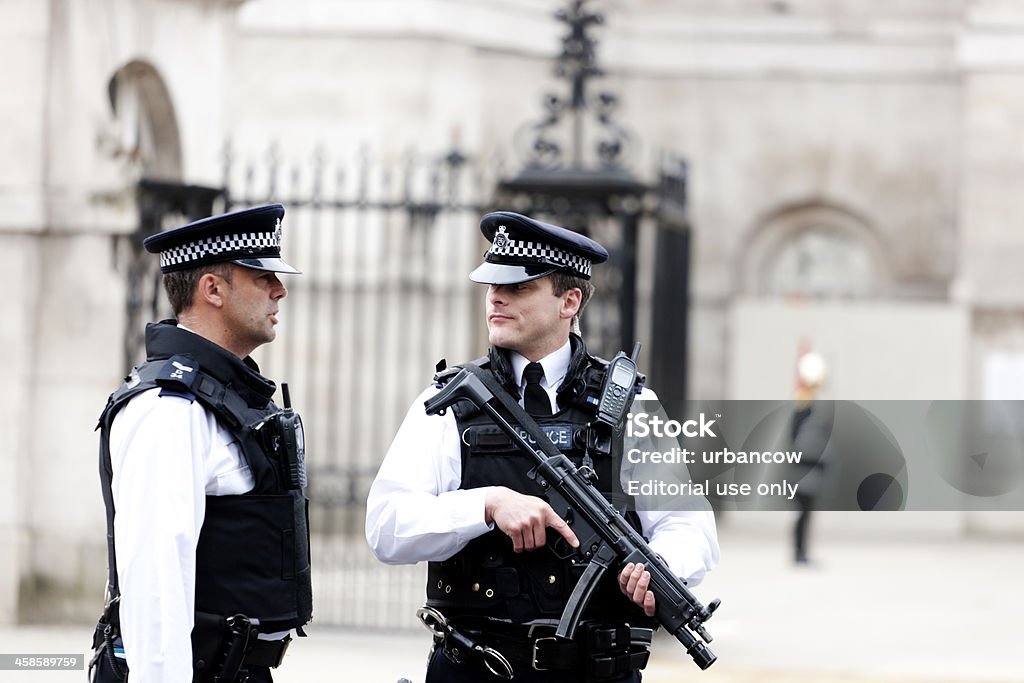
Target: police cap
524, 249
250, 238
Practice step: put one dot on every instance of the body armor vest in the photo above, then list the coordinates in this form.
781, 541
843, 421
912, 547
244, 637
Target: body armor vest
253, 552
486, 578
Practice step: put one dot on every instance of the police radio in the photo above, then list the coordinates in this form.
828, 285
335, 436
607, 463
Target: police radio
617, 390
283, 437
616, 396
293, 442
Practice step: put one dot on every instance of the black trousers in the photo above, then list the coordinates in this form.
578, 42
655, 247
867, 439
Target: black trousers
443, 670
806, 504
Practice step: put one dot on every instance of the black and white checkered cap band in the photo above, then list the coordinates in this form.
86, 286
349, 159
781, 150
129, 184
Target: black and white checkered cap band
244, 244
503, 246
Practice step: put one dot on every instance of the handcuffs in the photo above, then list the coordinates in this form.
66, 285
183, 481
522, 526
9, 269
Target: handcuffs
457, 645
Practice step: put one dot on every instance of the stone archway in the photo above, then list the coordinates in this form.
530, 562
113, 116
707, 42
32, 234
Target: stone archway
814, 250
146, 140
146, 128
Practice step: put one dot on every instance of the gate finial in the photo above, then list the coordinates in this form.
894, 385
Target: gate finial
576, 64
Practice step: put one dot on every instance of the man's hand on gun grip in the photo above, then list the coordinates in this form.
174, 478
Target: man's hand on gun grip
633, 582
524, 519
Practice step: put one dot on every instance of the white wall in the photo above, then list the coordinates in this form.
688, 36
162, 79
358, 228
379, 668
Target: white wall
874, 350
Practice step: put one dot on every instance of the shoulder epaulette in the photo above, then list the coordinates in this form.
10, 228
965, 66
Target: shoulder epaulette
187, 395
176, 377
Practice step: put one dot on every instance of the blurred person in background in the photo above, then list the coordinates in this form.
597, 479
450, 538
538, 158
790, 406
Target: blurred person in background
810, 429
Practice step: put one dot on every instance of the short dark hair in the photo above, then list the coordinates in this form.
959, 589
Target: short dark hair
181, 284
563, 282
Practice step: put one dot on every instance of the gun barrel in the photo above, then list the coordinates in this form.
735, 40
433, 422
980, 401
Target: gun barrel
701, 653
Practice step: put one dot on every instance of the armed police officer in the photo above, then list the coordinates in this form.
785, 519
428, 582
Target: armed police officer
452, 489
202, 473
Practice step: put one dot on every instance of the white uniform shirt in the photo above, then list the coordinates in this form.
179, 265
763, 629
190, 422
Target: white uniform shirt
416, 512
167, 455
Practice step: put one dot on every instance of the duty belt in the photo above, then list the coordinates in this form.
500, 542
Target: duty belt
602, 651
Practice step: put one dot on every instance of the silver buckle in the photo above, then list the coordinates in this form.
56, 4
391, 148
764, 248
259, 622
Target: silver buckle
533, 658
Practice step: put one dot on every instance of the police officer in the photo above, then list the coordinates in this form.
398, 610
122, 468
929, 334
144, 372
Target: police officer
452, 491
202, 472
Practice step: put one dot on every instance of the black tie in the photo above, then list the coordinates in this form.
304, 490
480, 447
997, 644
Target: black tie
535, 399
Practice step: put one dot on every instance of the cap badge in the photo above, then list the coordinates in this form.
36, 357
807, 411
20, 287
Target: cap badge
501, 238
277, 232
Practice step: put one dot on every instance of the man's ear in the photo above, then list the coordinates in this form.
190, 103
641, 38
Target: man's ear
211, 289
571, 303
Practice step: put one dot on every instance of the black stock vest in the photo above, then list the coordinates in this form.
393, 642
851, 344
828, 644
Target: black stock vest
253, 552
486, 578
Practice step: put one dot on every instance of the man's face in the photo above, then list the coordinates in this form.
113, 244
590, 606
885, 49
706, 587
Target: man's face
529, 318
251, 306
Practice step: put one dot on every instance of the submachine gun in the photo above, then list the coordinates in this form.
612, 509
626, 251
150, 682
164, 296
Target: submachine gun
606, 539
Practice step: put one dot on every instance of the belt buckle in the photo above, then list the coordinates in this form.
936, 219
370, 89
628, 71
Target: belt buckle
533, 658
